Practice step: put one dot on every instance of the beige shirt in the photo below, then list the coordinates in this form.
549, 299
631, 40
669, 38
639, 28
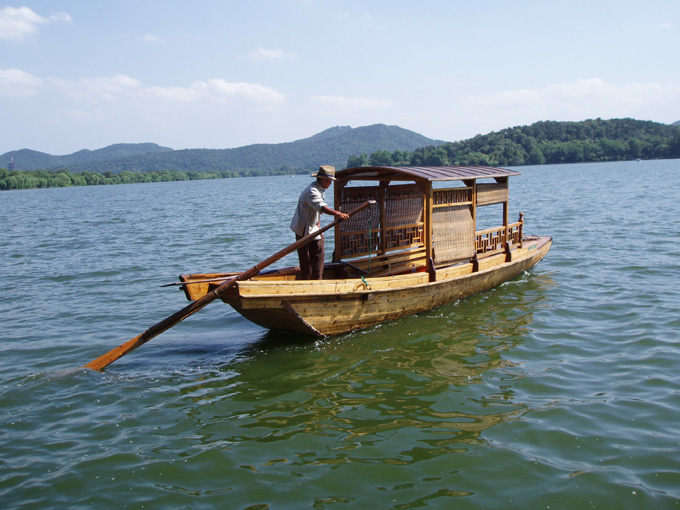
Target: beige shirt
308, 211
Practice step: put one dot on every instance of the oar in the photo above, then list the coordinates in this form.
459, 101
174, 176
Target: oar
195, 306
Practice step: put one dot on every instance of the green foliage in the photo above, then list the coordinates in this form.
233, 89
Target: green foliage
360, 160
381, 158
29, 179
547, 142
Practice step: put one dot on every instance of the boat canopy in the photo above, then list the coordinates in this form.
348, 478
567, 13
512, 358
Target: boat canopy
424, 173
414, 226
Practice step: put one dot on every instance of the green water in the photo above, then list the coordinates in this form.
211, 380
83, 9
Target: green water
558, 389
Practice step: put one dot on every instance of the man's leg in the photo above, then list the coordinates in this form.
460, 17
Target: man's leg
316, 258
303, 257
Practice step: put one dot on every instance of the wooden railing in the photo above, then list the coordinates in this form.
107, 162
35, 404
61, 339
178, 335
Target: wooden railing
451, 196
492, 240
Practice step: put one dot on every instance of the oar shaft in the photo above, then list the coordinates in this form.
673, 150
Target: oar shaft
195, 306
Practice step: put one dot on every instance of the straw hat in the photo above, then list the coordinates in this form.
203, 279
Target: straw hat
325, 171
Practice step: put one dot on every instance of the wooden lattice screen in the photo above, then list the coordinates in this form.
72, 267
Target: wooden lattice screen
401, 228
354, 238
403, 217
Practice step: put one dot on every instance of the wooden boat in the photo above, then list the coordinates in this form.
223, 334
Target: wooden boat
416, 248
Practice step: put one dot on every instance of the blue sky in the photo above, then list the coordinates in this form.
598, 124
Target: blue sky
80, 74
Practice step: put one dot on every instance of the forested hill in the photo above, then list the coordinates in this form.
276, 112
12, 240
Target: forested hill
27, 159
332, 146
545, 142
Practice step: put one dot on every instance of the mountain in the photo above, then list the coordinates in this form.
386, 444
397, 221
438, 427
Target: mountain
332, 146
26, 159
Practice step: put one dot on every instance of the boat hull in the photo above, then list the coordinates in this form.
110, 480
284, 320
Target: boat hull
332, 307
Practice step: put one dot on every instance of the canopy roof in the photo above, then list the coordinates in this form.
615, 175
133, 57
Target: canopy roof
423, 173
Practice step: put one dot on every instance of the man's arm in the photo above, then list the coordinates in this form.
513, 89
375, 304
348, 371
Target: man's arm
343, 216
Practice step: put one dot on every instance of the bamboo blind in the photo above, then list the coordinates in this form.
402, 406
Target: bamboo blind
492, 193
453, 232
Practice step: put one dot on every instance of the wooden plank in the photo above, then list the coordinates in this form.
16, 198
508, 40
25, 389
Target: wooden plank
452, 204
454, 271
253, 288
198, 289
491, 262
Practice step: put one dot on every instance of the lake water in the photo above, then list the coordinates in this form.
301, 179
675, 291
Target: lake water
559, 389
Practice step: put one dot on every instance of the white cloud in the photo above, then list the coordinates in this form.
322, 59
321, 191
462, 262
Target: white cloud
219, 90
18, 83
80, 115
665, 26
61, 16
15, 82
153, 39
578, 100
345, 103
261, 53
175, 94
19, 22
105, 87
251, 91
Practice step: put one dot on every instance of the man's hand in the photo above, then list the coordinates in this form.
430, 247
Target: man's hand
340, 215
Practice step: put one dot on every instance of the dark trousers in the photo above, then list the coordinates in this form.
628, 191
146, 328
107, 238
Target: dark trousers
311, 257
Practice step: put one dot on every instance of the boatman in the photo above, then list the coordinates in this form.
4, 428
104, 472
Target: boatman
307, 220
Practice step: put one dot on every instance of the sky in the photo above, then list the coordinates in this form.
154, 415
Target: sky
84, 74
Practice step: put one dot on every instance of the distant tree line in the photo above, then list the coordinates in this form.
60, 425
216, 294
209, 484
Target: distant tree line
29, 179
543, 143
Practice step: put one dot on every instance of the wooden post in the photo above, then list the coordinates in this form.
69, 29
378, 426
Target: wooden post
383, 215
506, 218
337, 203
472, 183
428, 229
475, 264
